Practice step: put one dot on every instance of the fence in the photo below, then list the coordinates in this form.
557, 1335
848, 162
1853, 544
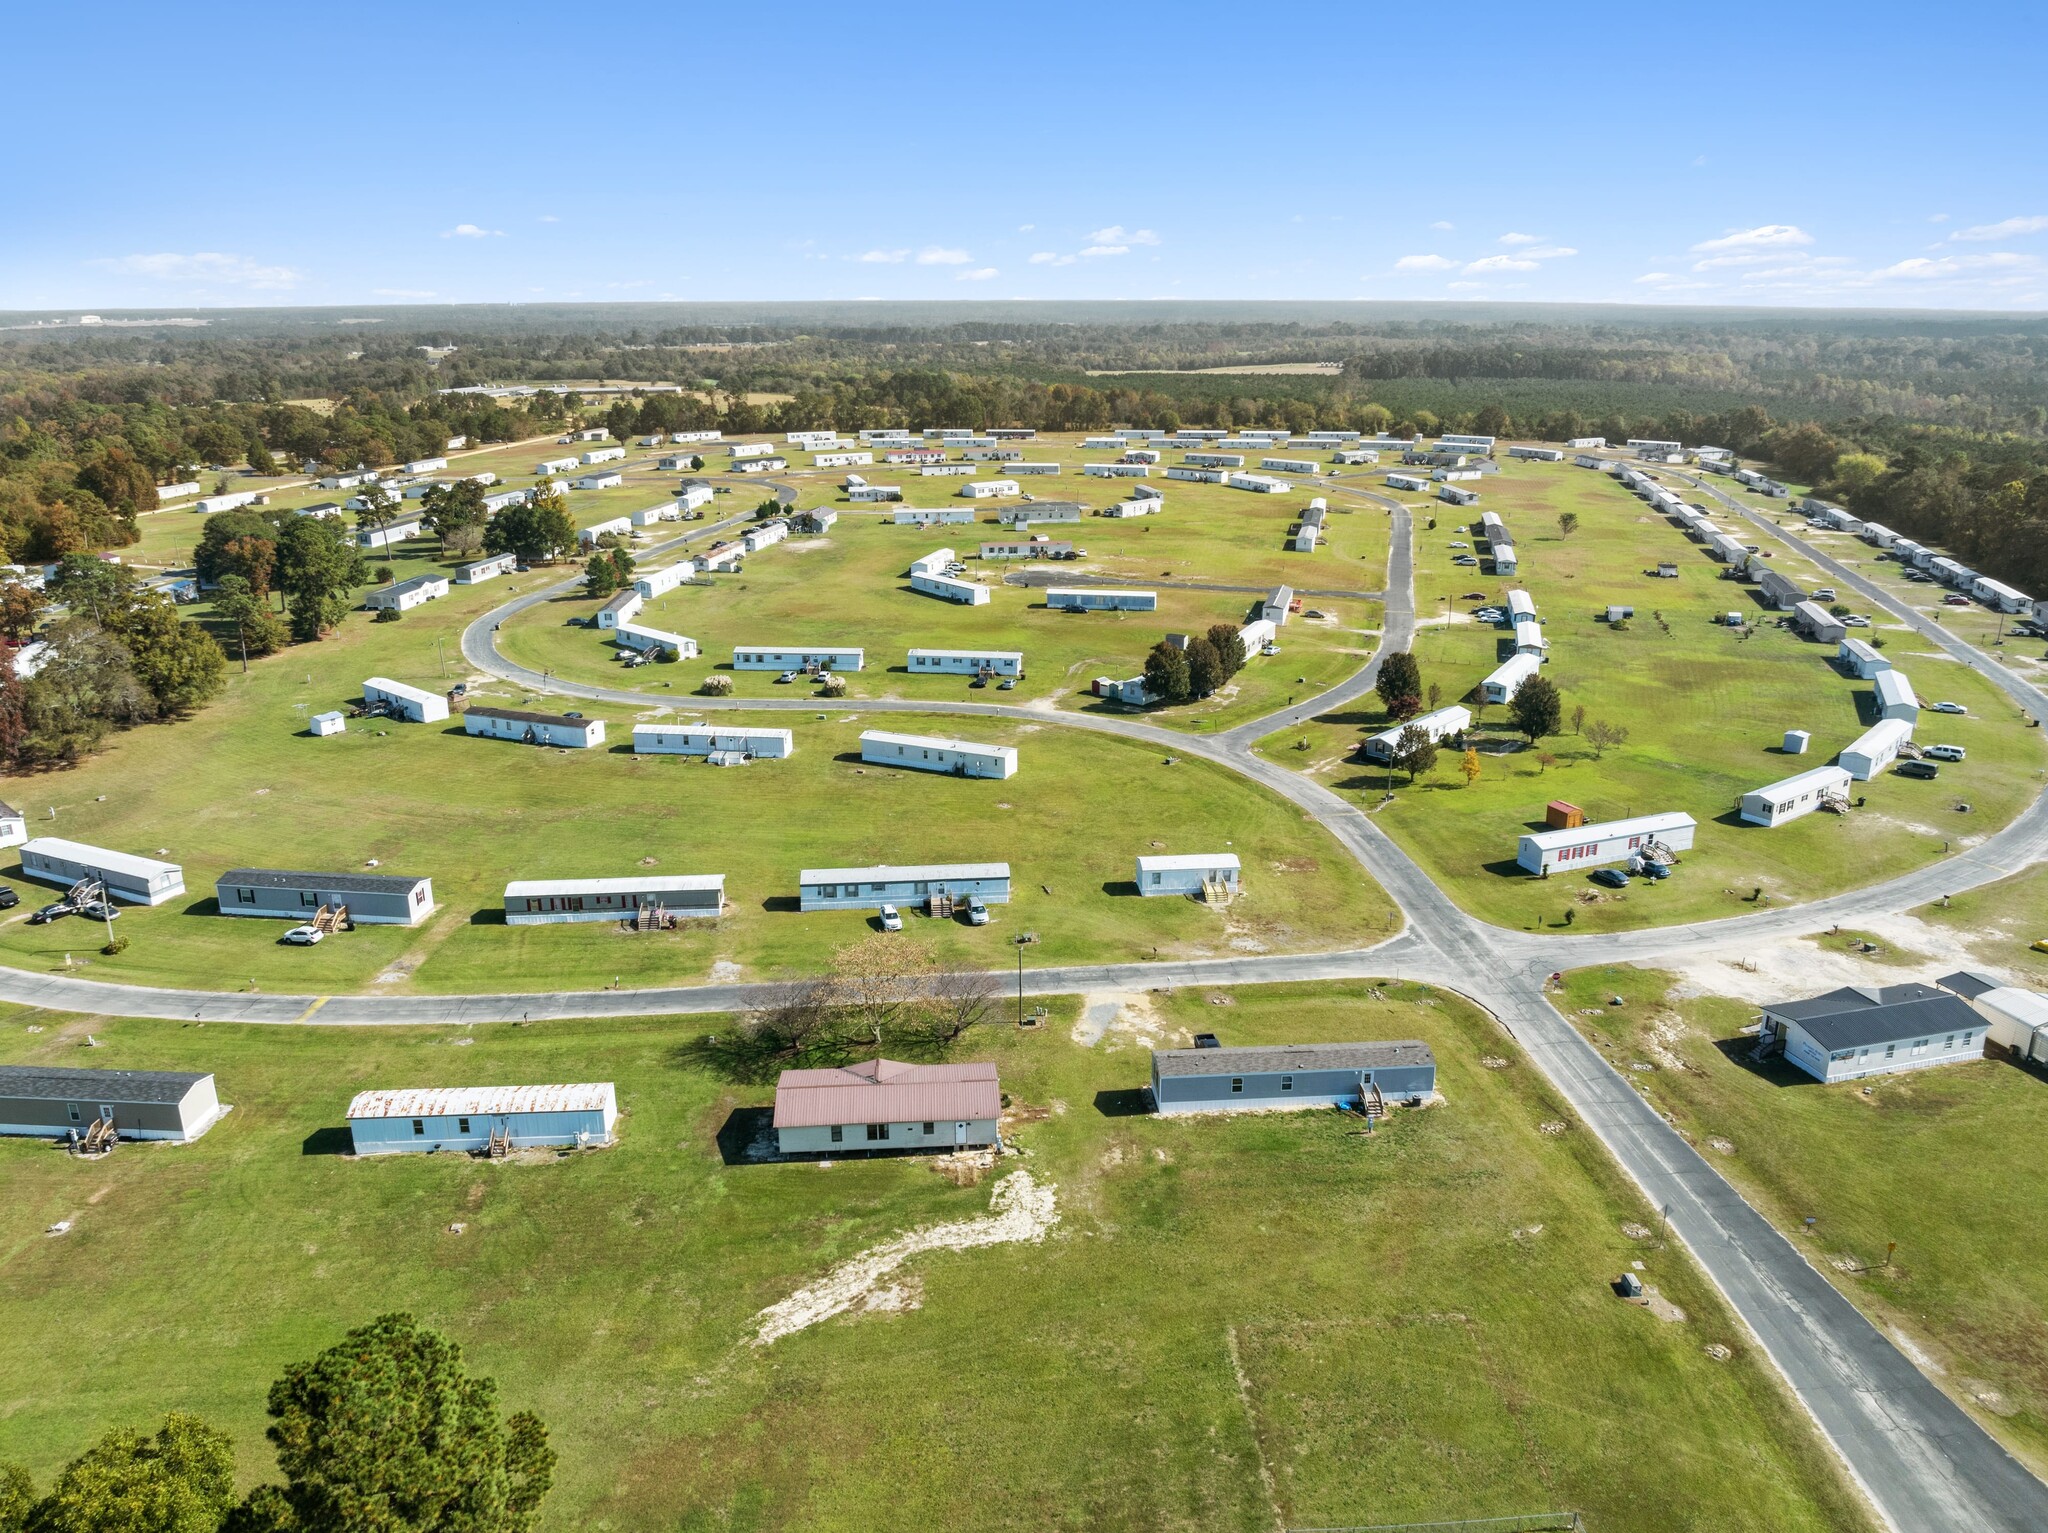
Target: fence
1526, 1522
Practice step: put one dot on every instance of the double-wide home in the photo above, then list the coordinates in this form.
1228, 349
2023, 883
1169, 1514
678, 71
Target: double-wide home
471, 1118
404, 595
489, 567
1863, 1030
1439, 725
372, 899
880, 1104
967, 662
1291, 1075
1190, 873
1099, 599
1775, 803
565, 901
700, 739
138, 880
1544, 852
534, 728
758, 657
938, 753
967, 593
47, 1101
399, 701
872, 888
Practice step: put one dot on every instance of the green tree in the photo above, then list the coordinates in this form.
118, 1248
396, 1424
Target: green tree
1567, 522
1414, 751
21, 608
622, 419
1399, 684
386, 1432
318, 569
600, 576
1491, 420
114, 475
379, 509
1537, 709
455, 514
253, 629
226, 545
259, 457
17, 1495
539, 532
1166, 673
91, 587
1229, 648
1205, 668
772, 506
182, 1480
177, 662
1855, 472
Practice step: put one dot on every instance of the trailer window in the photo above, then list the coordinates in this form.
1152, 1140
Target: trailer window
1286, 1083
878, 1131
462, 1125
419, 1126
838, 1134
1237, 1083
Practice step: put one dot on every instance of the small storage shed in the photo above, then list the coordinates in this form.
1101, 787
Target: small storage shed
1291, 1075
43, 1101
138, 880
372, 899
472, 1117
880, 1104
1559, 815
556, 901
1188, 874
327, 724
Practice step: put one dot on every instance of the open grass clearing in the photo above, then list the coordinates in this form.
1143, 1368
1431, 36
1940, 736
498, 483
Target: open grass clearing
1925, 1159
1440, 1341
1706, 707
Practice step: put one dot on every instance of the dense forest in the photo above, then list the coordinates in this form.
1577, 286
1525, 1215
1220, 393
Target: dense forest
1937, 425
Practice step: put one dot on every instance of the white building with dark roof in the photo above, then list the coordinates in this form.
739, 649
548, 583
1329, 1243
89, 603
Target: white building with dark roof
1863, 1030
372, 899
50, 1101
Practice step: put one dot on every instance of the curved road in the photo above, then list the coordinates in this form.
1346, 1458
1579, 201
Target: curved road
1924, 1462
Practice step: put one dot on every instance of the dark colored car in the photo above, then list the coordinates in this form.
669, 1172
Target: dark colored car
1926, 771
1614, 878
8, 898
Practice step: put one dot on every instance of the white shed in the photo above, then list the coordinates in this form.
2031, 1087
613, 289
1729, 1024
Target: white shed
323, 724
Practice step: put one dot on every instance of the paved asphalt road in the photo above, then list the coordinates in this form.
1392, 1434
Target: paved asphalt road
1925, 1463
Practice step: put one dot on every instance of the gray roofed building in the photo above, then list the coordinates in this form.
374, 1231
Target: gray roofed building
46, 1101
1290, 1056
1291, 1075
1862, 1030
371, 899
1969, 984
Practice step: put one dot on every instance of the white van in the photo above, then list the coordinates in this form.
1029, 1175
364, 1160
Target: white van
1944, 752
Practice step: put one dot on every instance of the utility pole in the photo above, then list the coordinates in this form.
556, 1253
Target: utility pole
1019, 940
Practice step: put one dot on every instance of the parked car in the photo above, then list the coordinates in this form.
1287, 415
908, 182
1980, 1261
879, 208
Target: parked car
1655, 872
1007, 684
49, 913
1955, 599
892, 919
785, 678
1464, 559
1947, 708
977, 913
1926, 771
1853, 621
1461, 545
1944, 752
303, 936
98, 910
8, 898
1614, 878
1824, 593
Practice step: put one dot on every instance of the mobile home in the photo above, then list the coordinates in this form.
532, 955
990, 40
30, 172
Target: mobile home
52, 1101
401, 701
488, 568
534, 728
138, 880
1507, 679
1875, 749
567, 901
761, 657
967, 593
702, 739
1587, 846
1443, 724
404, 595
470, 1118
372, 899
1095, 599
880, 1104
968, 662
1188, 874
1895, 696
1311, 1075
870, 888
933, 753
1778, 802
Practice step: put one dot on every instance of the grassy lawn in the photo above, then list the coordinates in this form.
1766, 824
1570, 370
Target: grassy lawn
1706, 707
242, 784
1440, 1341
2000, 923
1924, 1159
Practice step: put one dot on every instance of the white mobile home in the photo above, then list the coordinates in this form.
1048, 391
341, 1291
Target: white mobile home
657, 641
1861, 659
138, 880
1781, 593
649, 516
1031, 468
1308, 468
1256, 635
937, 562
490, 567
1895, 697
1996, 593
751, 449
1455, 496
1040, 511
404, 702
870, 888
554, 466
1196, 474
701, 739
1258, 484
873, 494
760, 465
1115, 470
1521, 607
604, 455
1587, 846
1213, 460
880, 1104
1443, 724
600, 479
404, 595
968, 662
934, 516
967, 593
54, 1102
1188, 874
617, 526
391, 534
234, 500
764, 535
1037, 546
1775, 803
684, 438
1816, 622
948, 471
1129, 508
1537, 454
933, 753
470, 1118
1507, 679
782, 657
1406, 482
563, 901
1864, 1030
1875, 749
534, 728
1092, 599
842, 459
622, 608
1305, 539
1276, 606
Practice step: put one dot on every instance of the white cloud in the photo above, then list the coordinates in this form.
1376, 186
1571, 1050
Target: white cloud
1761, 237
207, 267
1107, 250
2003, 230
1655, 276
1117, 234
1444, 225
1698, 160
1550, 252
979, 274
1026, 228
883, 257
1520, 239
1923, 268
1424, 263
1937, 218
1500, 263
1052, 258
399, 292
548, 218
1464, 287
939, 255
471, 232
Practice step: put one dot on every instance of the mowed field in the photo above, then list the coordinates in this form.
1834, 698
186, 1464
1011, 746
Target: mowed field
1706, 707
1924, 1159
1270, 1320
242, 784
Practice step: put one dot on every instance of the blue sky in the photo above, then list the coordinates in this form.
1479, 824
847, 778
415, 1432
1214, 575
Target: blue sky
1800, 154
